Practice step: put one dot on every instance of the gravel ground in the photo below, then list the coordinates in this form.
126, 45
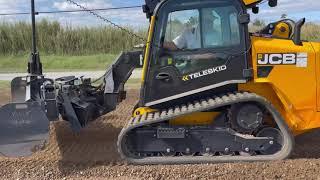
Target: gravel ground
92, 154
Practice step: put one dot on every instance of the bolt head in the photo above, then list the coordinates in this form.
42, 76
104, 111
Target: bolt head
207, 150
271, 142
247, 149
168, 150
226, 149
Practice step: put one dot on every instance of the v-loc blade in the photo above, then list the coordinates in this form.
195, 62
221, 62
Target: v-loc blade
24, 129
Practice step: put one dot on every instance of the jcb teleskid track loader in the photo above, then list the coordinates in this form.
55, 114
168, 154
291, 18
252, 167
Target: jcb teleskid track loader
211, 91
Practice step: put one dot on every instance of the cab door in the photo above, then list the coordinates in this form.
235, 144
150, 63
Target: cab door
197, 48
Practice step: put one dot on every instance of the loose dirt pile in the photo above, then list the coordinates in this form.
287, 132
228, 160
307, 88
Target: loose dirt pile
92, 154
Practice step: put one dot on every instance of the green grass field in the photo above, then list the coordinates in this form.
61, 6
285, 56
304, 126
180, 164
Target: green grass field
18, 63
4, 84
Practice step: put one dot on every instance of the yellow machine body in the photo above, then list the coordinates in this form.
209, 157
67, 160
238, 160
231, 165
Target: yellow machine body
294, 88
250, 2
198, 118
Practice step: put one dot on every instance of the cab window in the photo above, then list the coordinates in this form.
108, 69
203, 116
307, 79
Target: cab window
188, 32
203, 28
182, 29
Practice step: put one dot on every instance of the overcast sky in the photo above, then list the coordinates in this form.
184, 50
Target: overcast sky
293, 8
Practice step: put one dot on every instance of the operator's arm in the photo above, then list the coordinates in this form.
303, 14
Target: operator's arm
170, 46
179, 42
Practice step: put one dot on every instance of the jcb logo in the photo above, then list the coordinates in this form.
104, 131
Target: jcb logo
276, 59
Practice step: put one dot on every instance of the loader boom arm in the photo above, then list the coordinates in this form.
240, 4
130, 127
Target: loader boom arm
79, 101
118, 74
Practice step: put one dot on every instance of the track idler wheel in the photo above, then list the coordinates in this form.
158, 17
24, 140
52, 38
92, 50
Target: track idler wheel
276, 143
246, 117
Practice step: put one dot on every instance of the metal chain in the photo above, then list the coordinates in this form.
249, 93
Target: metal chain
107, 20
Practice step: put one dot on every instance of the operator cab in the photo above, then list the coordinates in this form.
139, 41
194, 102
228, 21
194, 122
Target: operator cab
199, 48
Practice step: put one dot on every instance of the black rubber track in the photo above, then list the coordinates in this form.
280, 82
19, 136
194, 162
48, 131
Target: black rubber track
204, 105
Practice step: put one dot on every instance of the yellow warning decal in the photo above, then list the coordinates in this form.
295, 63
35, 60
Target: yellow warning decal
185, 78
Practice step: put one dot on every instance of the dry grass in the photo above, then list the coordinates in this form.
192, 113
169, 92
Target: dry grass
311, 32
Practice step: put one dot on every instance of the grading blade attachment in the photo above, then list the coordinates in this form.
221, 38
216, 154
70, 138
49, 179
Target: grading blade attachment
24, 124
24, 129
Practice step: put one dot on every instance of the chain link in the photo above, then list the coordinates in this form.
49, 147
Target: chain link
107, 21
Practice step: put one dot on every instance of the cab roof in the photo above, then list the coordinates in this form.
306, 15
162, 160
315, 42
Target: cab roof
150, 5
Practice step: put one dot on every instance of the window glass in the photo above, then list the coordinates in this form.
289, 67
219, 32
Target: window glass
182, 29
220, 27
235, 33
207, 28
211, 28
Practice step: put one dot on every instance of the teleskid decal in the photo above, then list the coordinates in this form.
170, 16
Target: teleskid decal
204, 73
298, 59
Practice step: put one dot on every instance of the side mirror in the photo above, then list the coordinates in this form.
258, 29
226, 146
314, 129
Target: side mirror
244, 18
273, 3
255, 10
297, 32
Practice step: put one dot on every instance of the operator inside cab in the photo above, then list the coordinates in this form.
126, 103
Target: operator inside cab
190, 38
